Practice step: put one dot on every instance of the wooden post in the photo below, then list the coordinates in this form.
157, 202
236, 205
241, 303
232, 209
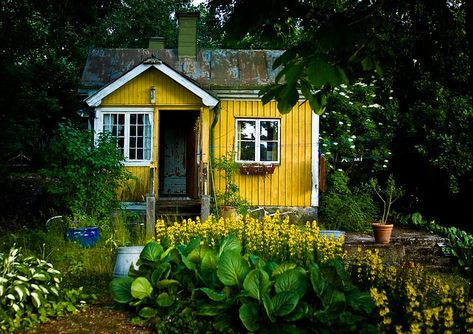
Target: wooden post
150, 208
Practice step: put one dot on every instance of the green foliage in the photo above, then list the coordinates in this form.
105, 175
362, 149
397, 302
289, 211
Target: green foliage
344, 209
231, 196
87, 174
460, 243
388, 194
132, 24
237, 293
30, 292
357, 130
446, 121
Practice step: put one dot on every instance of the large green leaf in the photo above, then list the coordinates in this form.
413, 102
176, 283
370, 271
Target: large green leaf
182, 252
256, 261
120, 289
192, 245
282, 268
287, 97
232, 268
292, 280
209, 260
229, 244
270, 267
164, 299
301, 311
161, 272
165, 283
359, 300
256, 283
334, 300
166, 253
151, 252
249, 316
268, 306
148, 312
141, 288
284, 303
211, 309
213, 295
319, 283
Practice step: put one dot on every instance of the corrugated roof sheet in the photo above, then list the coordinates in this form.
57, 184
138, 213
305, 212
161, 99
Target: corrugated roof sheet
212, 69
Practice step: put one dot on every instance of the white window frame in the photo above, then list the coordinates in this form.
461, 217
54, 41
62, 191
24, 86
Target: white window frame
257, 140
99, 115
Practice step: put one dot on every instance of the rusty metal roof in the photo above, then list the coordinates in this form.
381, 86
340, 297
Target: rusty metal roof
211, 69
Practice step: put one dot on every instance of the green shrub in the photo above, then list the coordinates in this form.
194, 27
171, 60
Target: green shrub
30, 292
344, 209
240, 293
87, 175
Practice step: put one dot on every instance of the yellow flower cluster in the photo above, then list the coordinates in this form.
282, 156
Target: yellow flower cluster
272, 238
410, 299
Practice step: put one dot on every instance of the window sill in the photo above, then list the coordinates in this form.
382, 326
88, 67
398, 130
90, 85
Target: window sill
137, 163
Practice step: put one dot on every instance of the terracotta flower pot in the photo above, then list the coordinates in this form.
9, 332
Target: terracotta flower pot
382, 232
228, 212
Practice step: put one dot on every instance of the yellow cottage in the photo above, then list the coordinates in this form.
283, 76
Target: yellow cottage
172, 110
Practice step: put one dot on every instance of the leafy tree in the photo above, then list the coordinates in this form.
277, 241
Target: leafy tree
42, 55
357, 131
133, 22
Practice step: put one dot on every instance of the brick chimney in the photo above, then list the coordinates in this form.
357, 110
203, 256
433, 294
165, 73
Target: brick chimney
156, 43
187, 39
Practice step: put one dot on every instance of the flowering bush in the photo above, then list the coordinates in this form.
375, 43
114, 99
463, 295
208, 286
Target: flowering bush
271, 238
411, 300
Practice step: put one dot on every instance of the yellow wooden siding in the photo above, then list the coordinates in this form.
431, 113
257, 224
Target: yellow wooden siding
136, 188
169, 96
137, 91
290, 185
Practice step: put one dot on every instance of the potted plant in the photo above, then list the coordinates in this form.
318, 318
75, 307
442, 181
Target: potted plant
83, 229
388, 195
230, 201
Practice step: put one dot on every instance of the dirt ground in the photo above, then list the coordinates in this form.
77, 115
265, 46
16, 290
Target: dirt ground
98, 318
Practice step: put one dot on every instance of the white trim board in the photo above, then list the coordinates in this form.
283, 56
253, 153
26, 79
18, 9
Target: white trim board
314, 195
207, 99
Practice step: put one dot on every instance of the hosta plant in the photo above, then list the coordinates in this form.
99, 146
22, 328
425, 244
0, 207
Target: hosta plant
30, 292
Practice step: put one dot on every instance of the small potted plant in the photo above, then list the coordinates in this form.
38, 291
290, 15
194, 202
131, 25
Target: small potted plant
388, 195
83, 229
230, 201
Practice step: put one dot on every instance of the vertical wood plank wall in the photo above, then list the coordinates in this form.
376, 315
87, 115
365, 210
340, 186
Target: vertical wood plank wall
136, 93
290, 185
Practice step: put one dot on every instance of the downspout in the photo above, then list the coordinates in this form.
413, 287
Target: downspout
212, 152
212, 131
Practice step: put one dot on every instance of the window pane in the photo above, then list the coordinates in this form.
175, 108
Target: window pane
268, 151
269, 130
247, 151
139, 154
246, 130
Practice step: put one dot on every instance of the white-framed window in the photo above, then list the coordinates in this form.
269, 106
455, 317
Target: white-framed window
258, 140
133, 129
